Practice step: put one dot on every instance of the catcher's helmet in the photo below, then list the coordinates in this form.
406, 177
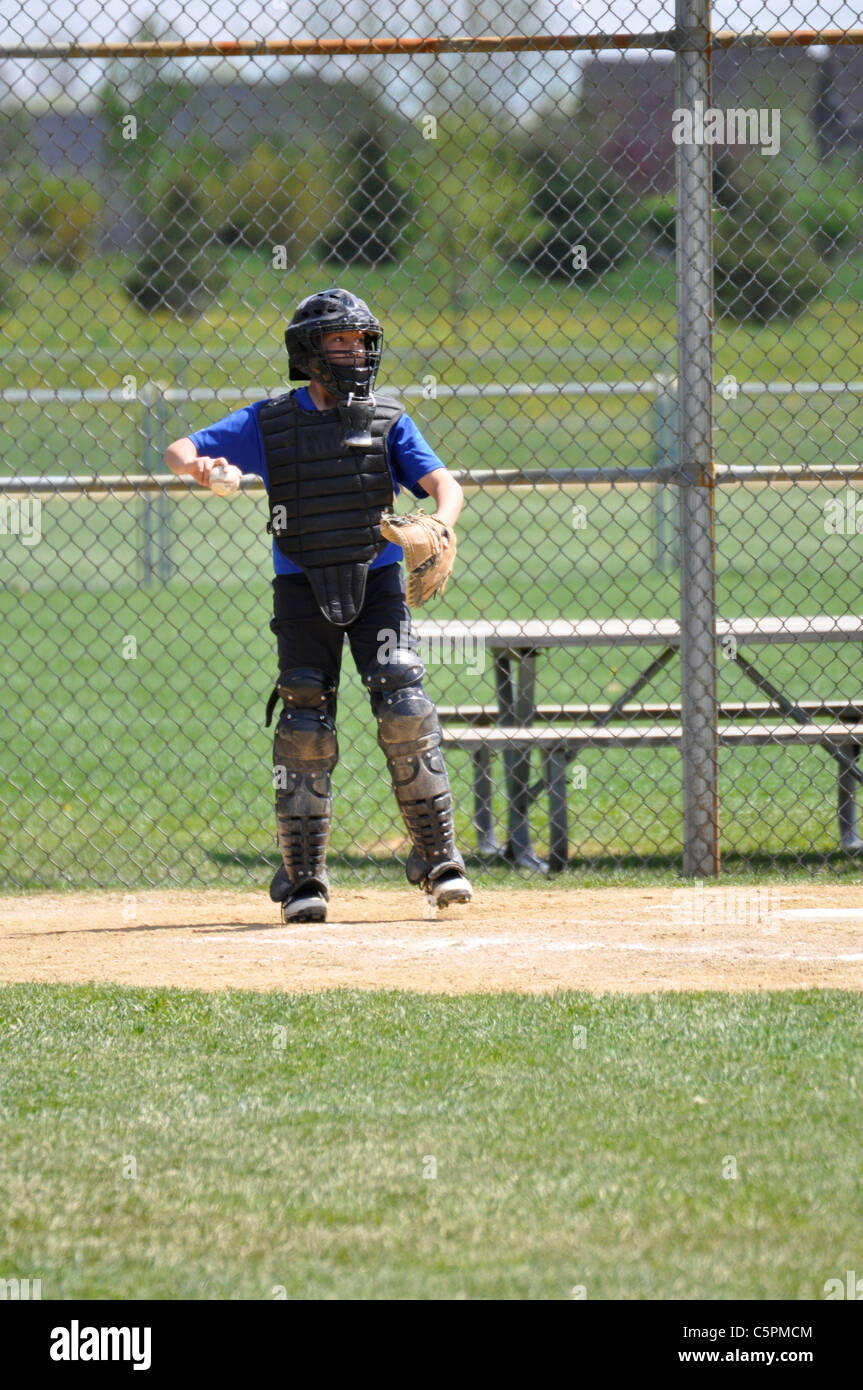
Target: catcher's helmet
326, 313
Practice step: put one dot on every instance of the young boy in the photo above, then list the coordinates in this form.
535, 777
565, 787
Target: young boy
333, 456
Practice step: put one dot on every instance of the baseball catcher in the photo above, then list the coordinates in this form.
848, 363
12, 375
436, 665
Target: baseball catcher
333, 456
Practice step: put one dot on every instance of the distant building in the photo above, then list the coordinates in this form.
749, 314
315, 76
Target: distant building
233, 114
837, 113
303, 111
629, 103
67, 141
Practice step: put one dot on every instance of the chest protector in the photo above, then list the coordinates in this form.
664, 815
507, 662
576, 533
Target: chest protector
326, 498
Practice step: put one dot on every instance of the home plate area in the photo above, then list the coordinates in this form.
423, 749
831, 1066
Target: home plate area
602, 940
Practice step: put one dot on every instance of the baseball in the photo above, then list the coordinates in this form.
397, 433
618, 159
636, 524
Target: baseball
225, 480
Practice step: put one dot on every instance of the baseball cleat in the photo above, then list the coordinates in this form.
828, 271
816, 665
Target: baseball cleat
451, 887
305, 905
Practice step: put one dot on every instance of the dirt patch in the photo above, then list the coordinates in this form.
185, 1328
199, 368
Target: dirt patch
600, 940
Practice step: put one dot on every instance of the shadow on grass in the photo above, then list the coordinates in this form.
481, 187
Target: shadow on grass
355, 870
376, 867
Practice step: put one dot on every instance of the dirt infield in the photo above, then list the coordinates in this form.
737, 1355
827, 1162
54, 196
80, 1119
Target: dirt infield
600, 940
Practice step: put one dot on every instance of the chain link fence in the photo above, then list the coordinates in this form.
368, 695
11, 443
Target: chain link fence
620, 276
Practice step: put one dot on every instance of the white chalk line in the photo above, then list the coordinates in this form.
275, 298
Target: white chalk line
329, 939
704, 907
818, 914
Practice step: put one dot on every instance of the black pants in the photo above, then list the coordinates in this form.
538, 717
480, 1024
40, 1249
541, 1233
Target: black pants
420, 782
306, 638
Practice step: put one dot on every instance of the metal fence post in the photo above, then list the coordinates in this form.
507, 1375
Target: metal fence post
163, 502
693, 165
155, 514
147, 429
666, 455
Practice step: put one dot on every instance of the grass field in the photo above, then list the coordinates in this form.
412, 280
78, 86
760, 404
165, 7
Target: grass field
288, 1141
79, 329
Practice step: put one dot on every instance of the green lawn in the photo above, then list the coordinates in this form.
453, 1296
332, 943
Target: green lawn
283, 1140
80, 329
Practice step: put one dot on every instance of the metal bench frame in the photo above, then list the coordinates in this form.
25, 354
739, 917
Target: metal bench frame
515, 734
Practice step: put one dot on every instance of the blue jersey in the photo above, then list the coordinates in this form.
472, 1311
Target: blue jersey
238, 439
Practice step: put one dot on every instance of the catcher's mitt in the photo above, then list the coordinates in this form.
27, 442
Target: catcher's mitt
429, 562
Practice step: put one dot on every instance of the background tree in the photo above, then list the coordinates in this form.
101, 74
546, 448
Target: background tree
153, 93
376, 205
181, 266
8, 291
828, 207
273, 197
16, 139
56, 220
765, 267
657, 212
475, 212
582, 204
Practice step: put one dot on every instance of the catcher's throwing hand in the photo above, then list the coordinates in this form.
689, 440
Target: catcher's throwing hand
201, 467
430, 550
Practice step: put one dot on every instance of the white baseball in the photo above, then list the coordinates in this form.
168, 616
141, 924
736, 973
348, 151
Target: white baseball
225, 479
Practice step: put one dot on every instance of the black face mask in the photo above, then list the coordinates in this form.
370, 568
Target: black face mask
351, 378
346, 378
352, 382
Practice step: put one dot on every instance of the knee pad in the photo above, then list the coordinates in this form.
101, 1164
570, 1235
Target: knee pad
403, 667
305, 740
305, 687
407, 719
305, 737
302, 687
